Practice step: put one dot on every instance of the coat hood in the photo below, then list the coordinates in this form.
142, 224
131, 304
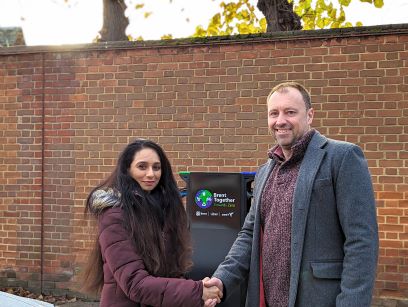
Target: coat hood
104, 198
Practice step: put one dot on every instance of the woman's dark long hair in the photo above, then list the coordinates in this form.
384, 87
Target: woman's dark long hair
145, 215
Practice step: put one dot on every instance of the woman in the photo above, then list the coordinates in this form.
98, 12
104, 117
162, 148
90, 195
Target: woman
143, 249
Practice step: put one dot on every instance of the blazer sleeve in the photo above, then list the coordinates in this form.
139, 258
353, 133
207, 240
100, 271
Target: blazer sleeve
130, 274
357, 215
234, 270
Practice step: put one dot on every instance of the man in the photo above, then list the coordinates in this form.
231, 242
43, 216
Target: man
310, 238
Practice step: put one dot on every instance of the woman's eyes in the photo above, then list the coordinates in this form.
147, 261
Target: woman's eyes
144, 167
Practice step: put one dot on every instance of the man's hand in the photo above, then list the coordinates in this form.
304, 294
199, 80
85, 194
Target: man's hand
211, 284
214, 281
211, 293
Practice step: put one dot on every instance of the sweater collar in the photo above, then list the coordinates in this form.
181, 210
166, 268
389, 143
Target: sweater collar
298, 149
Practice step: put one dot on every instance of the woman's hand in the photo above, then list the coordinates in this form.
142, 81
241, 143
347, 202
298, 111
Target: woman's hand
211, 295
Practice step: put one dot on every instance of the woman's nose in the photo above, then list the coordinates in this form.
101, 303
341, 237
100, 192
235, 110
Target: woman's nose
150, 172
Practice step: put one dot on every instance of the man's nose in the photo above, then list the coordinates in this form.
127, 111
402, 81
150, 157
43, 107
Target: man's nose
281, 119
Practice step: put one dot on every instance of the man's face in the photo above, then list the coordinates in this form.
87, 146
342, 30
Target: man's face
288, 119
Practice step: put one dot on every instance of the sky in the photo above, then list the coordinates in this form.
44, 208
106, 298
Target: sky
54, 22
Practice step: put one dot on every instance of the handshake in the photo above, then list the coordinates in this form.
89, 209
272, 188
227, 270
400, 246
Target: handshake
212, 291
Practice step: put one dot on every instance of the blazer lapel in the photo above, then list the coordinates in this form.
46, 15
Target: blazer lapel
262, 178
301, 201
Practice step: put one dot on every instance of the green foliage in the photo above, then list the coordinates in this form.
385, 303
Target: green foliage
131, 38
238, 17
166, 36
326, 15
140, 6
377, 3
235, 18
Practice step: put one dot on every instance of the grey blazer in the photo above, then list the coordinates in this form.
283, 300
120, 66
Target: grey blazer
334, 243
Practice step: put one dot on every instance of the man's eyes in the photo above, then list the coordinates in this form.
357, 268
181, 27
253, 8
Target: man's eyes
288, 112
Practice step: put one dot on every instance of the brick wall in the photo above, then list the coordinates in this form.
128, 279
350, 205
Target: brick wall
66, 112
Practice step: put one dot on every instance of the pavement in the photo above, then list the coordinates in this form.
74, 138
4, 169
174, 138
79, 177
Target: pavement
78, 304
8, 300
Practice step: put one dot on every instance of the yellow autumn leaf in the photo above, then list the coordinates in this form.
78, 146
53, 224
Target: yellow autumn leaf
321, 4
335, 25
342, 16
333, 13
378, 3
320, 23
200, 32
213, 30
167, 36
263, 24
344, 2
216, 20
243, 28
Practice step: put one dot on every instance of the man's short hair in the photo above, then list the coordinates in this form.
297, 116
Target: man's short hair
305, 94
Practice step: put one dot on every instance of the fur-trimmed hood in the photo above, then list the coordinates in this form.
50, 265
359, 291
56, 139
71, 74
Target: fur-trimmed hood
104, 198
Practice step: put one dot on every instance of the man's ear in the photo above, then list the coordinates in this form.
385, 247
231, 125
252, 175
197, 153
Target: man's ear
310, 114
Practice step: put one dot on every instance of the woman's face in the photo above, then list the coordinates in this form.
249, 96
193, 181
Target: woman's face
146, 169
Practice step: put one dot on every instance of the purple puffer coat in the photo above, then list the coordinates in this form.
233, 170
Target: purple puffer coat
126, 281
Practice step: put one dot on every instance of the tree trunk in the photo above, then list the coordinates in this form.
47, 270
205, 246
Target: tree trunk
279, 15
114, 21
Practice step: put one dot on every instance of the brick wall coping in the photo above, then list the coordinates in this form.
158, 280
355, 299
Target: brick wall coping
218, 40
